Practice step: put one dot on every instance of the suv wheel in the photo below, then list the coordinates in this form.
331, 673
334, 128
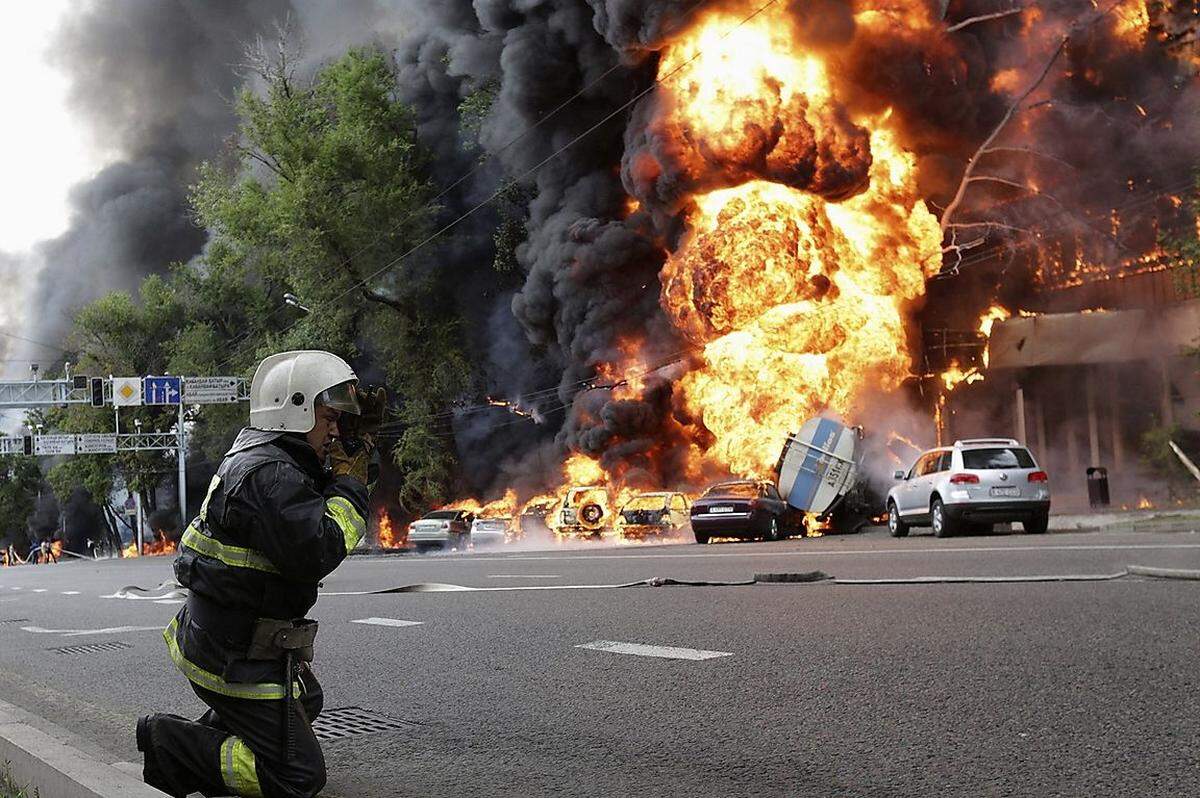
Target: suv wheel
1038, 524
773, 530
943, 527
896, 527
701, 537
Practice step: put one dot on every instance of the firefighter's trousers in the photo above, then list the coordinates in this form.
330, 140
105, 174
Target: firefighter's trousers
239, 747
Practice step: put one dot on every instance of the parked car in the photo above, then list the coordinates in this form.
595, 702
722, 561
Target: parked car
584, 513
494, 531
744, 508
654, 514
974, 482
444, 529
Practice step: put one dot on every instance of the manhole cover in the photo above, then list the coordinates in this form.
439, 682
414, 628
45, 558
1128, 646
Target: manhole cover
14, 620
337, 724
93, 648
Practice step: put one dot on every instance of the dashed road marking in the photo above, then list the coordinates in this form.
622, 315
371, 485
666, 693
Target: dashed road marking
663, 652
170, 601
80, 632
387, 622
39, 590
70, 592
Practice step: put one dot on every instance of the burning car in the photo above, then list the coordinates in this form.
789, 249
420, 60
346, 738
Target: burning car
444, 529
651, 514
744, 508
494, 531
584, 512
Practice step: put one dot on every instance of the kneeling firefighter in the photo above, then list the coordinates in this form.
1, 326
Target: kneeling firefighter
274, 522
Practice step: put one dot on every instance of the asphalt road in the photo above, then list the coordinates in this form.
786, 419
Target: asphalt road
981, 689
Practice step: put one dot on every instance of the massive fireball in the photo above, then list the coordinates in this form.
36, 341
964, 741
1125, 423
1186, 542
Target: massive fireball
797, 300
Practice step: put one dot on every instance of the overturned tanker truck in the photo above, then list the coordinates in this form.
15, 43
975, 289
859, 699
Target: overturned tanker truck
818, 469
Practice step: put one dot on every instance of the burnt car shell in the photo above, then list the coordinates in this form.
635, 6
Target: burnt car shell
653, 514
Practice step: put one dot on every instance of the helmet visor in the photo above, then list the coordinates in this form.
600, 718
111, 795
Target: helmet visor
342, 397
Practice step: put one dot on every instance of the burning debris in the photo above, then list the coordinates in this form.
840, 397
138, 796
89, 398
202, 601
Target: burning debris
159, 546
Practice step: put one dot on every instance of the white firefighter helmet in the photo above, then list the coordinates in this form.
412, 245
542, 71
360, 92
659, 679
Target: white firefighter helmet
287, 386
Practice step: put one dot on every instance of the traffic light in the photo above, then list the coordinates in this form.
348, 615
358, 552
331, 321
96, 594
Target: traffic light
28, 442
97, 392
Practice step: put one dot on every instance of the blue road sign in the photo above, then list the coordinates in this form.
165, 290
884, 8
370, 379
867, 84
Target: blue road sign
162, 390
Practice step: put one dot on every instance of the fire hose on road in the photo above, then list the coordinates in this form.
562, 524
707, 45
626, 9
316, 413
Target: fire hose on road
170, 589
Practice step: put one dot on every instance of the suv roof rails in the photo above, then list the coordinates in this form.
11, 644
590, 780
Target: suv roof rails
984, 441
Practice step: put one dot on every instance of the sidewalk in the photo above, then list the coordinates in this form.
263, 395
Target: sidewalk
1175, 520
60, 764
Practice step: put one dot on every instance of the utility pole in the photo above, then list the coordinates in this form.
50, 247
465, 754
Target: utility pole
180, 455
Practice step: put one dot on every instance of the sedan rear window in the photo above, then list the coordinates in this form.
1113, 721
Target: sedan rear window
739, 490
984, 459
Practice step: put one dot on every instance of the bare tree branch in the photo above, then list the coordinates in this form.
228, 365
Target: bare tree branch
948, 215
983, 18
1031, 151
1004, 181
1000, 225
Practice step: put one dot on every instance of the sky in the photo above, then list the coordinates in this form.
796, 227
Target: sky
43, 151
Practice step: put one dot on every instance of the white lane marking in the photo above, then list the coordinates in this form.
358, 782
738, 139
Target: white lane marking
522, 576
14, 588
170, 601
664, 652
39, 590
852, 552
37, 630
387, 622
70, 592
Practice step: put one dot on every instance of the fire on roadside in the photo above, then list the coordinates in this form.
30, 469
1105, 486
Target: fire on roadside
159, 546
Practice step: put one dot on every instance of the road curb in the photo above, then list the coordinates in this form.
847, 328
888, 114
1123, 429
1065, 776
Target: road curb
48, 757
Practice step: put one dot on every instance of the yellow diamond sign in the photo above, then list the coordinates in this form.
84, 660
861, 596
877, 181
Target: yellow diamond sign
126, 391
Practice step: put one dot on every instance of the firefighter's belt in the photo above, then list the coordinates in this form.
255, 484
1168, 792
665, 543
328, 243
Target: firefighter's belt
274, 639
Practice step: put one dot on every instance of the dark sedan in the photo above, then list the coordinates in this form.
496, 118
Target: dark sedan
744, 508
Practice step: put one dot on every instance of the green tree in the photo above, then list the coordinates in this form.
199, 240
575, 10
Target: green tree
20, 481
326, 198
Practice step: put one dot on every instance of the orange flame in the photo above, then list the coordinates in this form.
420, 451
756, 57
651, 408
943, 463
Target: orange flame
387, 535
158, 546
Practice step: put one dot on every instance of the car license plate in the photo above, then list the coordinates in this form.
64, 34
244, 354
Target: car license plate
1006, 491
721, 508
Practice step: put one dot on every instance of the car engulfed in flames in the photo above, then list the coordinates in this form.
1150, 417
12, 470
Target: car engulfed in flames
653, 515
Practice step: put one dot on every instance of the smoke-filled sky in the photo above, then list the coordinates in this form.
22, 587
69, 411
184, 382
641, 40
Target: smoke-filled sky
148, 83
43, 148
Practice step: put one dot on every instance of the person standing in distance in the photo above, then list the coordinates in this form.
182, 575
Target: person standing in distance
288, 502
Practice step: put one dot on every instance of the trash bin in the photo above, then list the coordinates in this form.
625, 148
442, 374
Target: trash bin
1097, 482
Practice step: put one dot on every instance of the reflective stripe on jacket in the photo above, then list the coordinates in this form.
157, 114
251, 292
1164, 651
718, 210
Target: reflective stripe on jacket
272, 525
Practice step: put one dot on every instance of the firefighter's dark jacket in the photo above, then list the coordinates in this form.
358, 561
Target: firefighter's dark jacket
272, 525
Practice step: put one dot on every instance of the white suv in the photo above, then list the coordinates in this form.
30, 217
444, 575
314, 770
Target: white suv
977, 481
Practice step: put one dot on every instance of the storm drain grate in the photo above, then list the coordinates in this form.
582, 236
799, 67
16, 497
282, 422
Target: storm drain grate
338, 724
93, 648
14, 620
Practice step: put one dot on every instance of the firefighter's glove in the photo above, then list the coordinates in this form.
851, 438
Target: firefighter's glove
351, 461
373, 404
